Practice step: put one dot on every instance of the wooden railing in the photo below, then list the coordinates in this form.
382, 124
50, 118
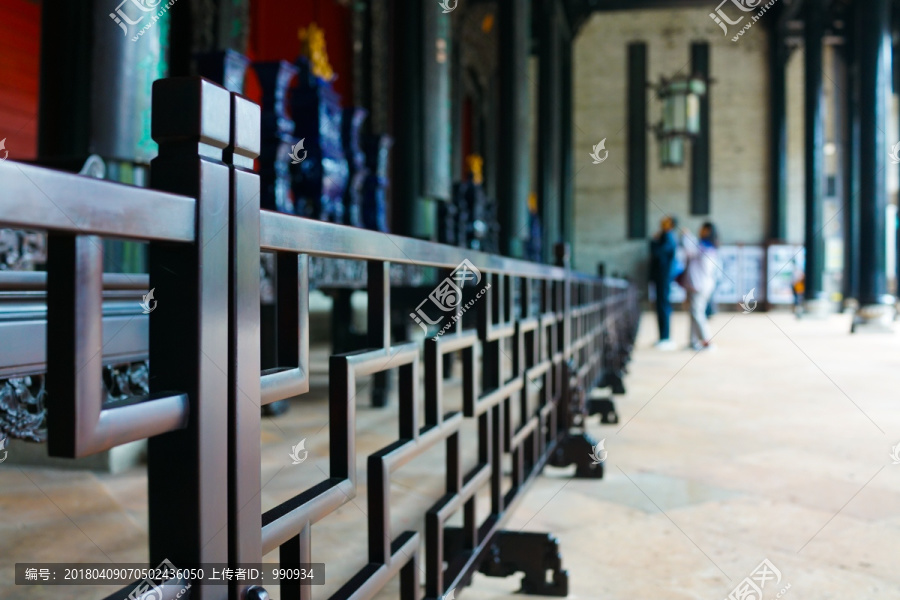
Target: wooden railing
205, 232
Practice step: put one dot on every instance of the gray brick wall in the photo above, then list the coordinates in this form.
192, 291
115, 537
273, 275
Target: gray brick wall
740, 124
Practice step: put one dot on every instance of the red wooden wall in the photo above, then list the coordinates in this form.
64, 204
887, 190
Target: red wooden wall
20, 39
273, 35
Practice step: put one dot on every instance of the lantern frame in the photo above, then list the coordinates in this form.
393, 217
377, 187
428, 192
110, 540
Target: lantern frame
680, 115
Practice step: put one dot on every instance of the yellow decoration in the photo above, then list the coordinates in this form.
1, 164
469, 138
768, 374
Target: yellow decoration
487, 23
475, 164
532, 203
312, 47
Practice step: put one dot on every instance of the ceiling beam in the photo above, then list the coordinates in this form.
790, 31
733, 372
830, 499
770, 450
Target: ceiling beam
607, 5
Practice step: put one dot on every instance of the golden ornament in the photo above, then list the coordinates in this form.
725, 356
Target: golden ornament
475, 164
312, 47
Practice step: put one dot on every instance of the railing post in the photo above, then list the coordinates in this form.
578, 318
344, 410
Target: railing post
244, 387
188, 469
561, 251
378, 324
570, 447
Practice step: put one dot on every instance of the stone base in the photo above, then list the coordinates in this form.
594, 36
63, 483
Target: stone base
851, 305
820, 308
116, 460
874, 318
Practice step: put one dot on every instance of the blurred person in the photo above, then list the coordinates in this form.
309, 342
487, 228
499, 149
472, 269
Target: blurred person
700, 280
798, 286
533, 248
664, 267
712, 308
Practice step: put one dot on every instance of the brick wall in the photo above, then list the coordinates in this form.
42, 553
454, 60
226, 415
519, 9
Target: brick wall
739, 133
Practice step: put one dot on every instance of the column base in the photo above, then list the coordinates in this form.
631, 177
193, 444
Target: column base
874, 318
819, 308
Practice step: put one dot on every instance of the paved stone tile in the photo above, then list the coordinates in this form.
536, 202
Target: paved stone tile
751, 451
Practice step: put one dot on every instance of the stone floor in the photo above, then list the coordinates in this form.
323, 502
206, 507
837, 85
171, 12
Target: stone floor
776, 445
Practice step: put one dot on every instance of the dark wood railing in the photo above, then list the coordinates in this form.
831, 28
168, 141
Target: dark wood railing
205, 232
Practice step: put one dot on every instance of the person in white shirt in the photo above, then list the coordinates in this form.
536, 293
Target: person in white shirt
700, 279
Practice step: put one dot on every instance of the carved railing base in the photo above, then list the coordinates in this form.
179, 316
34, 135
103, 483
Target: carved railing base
577, 448
605, 408
23, 400
575, 445
22, 410
23, 415
531, 553
613, 379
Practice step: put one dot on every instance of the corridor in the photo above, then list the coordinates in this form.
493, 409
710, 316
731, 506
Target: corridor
775, 445
324, 282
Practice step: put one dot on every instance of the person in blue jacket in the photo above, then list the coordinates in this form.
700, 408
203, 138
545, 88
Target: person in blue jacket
664, 267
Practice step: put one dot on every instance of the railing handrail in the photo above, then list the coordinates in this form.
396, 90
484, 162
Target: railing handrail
36, 281
69, 202
290, 233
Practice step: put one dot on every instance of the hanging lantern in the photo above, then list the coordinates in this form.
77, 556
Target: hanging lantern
680, 98
681, 105
671, 151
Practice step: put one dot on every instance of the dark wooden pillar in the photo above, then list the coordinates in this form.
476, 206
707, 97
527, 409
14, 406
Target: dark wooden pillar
850, 124
814, 144
873, 44
700, 147
549, 125
421, 113
637, 140
435, 81
88, 59
566, 191
456, 125
407, 117
181, 39
492, 146
778, 56
514, 161
64, 128
363, 63
895, 62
